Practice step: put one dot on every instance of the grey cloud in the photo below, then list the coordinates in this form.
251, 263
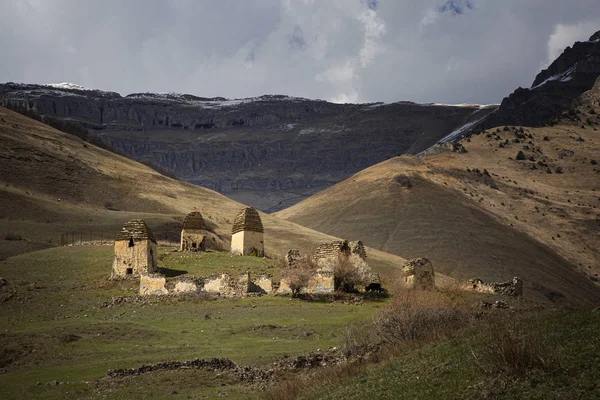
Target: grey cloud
341, 50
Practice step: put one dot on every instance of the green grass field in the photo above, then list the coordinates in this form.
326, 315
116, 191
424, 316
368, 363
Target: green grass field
462, 369
55, 328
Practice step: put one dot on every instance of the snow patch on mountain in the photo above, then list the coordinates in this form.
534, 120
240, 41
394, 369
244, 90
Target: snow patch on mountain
67, 85
466, 105
562, 77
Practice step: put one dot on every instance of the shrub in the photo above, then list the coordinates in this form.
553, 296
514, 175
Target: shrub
347, 275
403, 180
515, 350
558, 170
12, 236
418, 314
594, 162
520, 156
546, 138
299, 274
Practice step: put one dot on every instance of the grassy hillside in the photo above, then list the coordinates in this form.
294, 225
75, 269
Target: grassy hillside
484, 213
55, 326
543, 355
52, 182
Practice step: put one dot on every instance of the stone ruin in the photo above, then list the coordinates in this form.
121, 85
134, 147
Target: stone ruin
509, 288
153, 285
221, 285
193, 233
327, 256
247, 233
418, 273
135, 251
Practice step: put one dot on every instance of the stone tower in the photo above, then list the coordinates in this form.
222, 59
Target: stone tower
193, 233
247, 233
135, 250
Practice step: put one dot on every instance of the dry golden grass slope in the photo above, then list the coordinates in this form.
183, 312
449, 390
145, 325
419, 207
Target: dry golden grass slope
52, 182
523, 219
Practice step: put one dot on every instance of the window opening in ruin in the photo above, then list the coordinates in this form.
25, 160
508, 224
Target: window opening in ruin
193, 245
129, 271
130, 242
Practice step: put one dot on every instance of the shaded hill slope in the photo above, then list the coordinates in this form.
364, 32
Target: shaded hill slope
488, 213
52, 182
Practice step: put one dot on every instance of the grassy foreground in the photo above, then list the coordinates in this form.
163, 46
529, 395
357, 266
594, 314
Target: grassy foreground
54, 327
522, 353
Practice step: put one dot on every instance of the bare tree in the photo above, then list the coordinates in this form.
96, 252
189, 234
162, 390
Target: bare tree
299, 274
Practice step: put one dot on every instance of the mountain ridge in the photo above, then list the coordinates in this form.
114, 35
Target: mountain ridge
272, 149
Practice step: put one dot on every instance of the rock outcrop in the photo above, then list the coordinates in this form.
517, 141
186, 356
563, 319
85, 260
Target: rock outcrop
554, 89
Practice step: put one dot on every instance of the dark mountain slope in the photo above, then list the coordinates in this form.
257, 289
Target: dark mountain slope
270, 150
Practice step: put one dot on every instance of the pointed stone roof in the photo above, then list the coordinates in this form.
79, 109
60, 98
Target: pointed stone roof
194, 220
135, 229
247, 220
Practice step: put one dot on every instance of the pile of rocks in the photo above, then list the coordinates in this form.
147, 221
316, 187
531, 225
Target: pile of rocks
259, 377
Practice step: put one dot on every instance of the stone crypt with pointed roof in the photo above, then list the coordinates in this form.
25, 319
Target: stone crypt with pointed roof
193, 233
247, 233
135, 251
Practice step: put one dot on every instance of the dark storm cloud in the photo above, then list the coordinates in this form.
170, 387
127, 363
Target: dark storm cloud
340, 50
456, 7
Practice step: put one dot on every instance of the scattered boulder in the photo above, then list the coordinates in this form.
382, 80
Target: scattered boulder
565, 153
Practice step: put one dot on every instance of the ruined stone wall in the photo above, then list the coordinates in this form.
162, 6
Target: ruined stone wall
135, 260
227, 286
193, 240
418, 274
357, 248
153, 285
510, 288
264, 284
328, 253
321, 282
242, 243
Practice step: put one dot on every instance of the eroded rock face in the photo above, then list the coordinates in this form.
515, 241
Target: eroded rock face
418, 273
265, 144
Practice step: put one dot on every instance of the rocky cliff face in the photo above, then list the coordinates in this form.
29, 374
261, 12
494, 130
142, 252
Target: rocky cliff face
554, 89
272, 147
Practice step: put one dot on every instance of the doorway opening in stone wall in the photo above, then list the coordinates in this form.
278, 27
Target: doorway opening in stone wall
129, 271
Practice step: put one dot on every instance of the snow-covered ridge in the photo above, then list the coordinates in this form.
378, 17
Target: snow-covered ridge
216, 102
466, 105
562, 77
67, 85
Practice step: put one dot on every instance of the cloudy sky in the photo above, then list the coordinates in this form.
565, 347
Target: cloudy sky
450, 51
